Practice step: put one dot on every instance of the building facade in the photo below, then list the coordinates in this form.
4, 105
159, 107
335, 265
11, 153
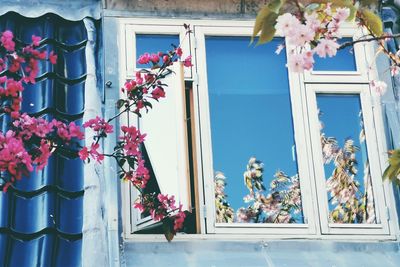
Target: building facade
236, 112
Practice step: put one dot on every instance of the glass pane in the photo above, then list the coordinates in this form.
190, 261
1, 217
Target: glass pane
344, 151
343, 61
254, 159
154, 43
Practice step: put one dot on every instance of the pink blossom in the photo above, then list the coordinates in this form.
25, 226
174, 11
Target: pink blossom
188, 61
379, 87
83, 153
301, 35
99, 125
75, 131
53, 58
36, 40
130, 85
313, 21
6, 40
178, 52
308, 58
158, 92
44, 154
144, 59
286, 24
179, 219
341, 14
131, 140
139, 78
154, 58
326, 47
296, 63
138, 206
394, 70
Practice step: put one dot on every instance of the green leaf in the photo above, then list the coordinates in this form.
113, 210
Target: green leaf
147, 104
393, 170
268, 29
265, 22
168, 228
364, 3
373, 22
275, 5
120, 103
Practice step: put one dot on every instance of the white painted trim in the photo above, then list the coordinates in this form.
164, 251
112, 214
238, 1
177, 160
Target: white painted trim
360, 75
206, 145
381, 227
298, 84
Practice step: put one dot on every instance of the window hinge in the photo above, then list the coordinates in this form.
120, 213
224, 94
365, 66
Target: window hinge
205, 211
194, 42
195, 79
387, 213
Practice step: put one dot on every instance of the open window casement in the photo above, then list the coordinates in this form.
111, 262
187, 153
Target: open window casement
166, 146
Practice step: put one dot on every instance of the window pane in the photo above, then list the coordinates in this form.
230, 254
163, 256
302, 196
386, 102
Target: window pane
254, 159
344, 151
154, 43
343, 61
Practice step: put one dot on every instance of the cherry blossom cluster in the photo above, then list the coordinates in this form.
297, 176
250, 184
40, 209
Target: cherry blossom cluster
160, 207
316, 32
28, 142
140, 93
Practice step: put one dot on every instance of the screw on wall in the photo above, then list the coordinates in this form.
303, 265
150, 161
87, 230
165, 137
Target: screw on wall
108, 84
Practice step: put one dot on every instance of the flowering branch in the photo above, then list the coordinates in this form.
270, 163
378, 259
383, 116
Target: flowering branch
30, 141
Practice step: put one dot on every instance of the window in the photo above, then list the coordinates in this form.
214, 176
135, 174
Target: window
264, 150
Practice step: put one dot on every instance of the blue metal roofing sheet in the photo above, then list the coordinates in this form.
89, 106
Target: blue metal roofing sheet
41, 215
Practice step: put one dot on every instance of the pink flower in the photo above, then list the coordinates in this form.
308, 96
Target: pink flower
296, 63
36, 40
99, 125
379, 87
178, 52
154, 58
179, 219
44, 154
7, 41
308, 58
341, 14
158, 93
131, 140
139, 206
312, 21
75, 131
286, 24
188, 61
53, 58
144, 59
326, 47
394, 70
83, 153
301, 35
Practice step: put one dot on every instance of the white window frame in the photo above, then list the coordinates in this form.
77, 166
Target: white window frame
128, 30
313, 226
363, 62
381, 226
308, 227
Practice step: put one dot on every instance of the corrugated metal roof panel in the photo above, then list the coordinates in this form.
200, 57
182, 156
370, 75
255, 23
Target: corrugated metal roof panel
41, 215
